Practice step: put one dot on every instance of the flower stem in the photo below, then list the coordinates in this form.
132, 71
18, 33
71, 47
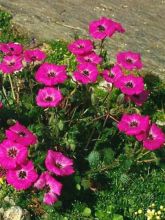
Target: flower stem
12, 88
102, 46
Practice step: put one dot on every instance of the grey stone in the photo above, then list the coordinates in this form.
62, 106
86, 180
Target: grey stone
52, 19
16, 213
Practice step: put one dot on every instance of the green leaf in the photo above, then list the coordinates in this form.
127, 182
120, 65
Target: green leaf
86, 212
61, 125
93, 158
85, 183
117, 217
108, 155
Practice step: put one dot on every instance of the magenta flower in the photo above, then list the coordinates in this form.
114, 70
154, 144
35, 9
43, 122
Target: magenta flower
48, 97
51, 74
22, 177
112, 75
133, 124
130, 84
80, 47
12, 154
21, 135
155, 138
52, 187
140, 98
129, 60
90, 58
34, 55
104, 27
86, 73
11, 64
11, 48
59, 164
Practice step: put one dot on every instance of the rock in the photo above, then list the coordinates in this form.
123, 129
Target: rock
143, 21
16, 213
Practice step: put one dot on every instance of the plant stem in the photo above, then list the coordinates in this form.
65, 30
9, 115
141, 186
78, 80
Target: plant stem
12, 88
5, 96
102, 46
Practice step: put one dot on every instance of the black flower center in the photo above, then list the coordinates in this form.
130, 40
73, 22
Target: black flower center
86, 73
80, 46
51, 74
88, 60
101, 28
49, 99
12, 152
129, 60
136, 96
22, 134
33, 58
22, 174
11, 48
150, 137
129, 84
133, 124
47, 188
111, 75
12, 63
58, 165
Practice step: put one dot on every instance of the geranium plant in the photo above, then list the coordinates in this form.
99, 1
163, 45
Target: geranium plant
59, 117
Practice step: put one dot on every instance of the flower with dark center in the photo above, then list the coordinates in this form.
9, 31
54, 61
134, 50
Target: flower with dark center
133, 124
12, 154
51, 74
49, 97
31, 56
58, 163
23, 176
155, 138
81, 47
129, 60
20, 134
130, 84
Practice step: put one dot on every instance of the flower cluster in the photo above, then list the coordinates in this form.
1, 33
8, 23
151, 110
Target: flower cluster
141, 127
60, 165
87, 71
50, 74
131, 86
87, 59
20, 171
14, 57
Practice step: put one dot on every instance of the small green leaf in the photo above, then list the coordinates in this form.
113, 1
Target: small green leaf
93, 158
117, 217
87, 212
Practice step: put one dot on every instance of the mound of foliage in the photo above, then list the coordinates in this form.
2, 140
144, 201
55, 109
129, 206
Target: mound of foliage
90, 132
